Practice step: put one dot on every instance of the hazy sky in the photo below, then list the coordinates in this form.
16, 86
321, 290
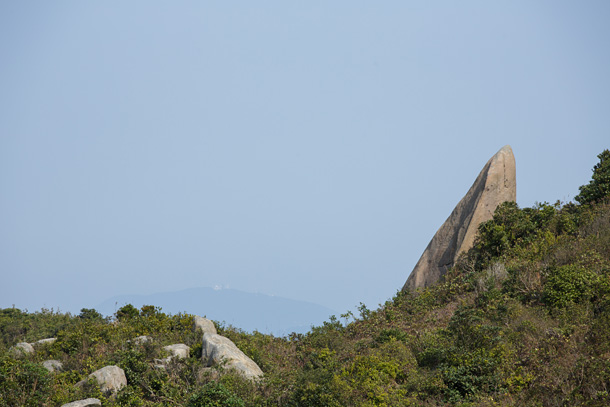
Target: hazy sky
304, 149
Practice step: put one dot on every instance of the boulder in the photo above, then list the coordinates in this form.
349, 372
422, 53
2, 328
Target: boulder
53, 365
21, 349
204, 325
220, 350
179, 350
111, 379
141, 340
495, 184
84, 403
46, 341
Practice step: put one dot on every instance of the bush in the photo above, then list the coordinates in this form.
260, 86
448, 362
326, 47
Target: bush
599, 186
90, 314
215, 395
127, 312
570, 284
23, 383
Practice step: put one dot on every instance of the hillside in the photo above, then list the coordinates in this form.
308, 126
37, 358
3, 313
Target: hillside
523, 318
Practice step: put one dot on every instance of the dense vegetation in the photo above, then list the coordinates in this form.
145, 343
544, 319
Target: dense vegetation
522, 319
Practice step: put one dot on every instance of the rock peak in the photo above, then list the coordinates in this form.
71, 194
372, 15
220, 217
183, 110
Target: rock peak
495, 184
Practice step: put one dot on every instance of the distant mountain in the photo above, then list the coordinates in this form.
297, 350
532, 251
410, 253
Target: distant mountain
247, 311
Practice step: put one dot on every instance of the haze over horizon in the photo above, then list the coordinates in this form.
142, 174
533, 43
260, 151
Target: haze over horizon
304, 150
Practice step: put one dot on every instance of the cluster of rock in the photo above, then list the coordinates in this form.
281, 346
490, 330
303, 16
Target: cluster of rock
25, 348
495, 184
217, 350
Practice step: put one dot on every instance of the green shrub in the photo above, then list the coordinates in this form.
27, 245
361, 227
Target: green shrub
214, 395
599, 186
570, 284
23, 383
127, 312
387, 335
90, 314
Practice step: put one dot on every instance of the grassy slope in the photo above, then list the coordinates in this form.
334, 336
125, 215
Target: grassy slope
523, 319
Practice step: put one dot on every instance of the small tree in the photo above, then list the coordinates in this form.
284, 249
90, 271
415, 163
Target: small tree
599, 187
127, 312
90, 314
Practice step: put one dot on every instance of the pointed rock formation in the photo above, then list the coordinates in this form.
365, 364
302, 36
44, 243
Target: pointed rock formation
495, 184
204, 325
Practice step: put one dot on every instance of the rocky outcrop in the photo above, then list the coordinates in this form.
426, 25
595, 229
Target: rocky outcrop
495, 184
141, 340
84, 403
53, 365
204, 325
46, 341
24, 348
111, 379
21, 349
220, 350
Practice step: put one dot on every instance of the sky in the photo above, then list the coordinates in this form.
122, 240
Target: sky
308, 150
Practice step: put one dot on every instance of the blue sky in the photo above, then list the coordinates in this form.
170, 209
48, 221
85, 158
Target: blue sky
308, 150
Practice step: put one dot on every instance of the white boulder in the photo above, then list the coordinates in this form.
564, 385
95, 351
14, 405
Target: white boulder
46, 341
84, 403
218, 350
21, 349
111, 379
53, 365
141, 340
178, 351
204, 325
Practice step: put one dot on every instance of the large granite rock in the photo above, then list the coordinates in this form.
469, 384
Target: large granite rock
21, 349
84, 403
204, 325
53, 365
495, 184
47, 341
179, 350
220, 350
111, 379
141, 340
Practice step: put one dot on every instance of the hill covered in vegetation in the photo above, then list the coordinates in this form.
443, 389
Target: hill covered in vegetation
523, 318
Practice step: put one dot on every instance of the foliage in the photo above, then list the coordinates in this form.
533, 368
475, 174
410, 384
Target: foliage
214, 395
23, 383
599, 187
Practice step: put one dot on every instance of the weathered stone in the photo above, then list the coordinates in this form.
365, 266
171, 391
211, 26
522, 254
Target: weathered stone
218, 350
111, 379
84, 403
46, 341
21, 349
203, 324
53, 365
495, 184
141, 340
179, 350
